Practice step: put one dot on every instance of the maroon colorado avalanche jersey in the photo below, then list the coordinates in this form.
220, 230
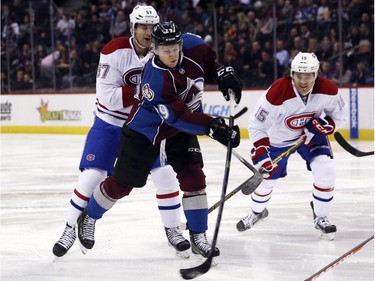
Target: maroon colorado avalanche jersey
171, 99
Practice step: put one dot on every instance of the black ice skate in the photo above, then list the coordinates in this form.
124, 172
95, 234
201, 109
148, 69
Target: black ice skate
65, 242
177, 241
86, 231
200, 245
251, 219
327, 230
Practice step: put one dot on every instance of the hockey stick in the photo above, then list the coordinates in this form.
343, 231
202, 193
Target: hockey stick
229, 195
193, 272
339, 259
250, 188
256, 179
238, 114
345, 145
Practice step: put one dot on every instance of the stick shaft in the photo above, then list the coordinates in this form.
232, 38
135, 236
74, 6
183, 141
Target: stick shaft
339, 259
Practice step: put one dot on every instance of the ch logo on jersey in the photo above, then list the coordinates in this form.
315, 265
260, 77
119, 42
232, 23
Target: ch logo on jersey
132, 77
193, 94
297, 122
147, 92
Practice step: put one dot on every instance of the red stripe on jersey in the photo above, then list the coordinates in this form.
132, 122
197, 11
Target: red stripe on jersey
168, 195
114, 111
116, 44
323, 189
79, 195
325, 87
280, 91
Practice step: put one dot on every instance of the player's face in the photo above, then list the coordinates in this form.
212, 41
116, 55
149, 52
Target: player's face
142, 33
169, 54
303, 82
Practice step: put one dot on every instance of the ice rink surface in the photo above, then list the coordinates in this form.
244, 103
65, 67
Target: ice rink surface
39, 172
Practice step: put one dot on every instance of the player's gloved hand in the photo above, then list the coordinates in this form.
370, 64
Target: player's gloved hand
221, 132
262, 161
229, 82
317, 129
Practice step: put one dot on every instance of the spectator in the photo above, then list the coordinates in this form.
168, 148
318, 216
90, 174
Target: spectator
325, 70
264, 72
341, 79
364, 52
73, 77
282, 55
324, 51
360, 75
120, 26
65, 26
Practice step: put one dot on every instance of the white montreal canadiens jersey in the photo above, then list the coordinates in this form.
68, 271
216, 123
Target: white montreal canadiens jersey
281, 115
119, 66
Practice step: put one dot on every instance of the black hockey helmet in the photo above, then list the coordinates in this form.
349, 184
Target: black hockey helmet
166, 33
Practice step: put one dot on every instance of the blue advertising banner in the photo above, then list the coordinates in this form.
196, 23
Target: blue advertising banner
353, 113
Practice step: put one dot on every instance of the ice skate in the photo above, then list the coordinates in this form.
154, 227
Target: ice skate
327, 230
251, 219
178, 241
86, 231
200, 245
65, 242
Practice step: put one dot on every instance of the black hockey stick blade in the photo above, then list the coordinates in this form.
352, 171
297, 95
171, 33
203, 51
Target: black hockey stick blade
255, 180
238, 114
250, 188
194, 272
352, 150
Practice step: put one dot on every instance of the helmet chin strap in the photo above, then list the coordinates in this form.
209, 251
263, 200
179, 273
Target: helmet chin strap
139, 44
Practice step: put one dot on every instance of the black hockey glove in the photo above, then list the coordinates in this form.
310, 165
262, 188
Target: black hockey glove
221, 132
228, 81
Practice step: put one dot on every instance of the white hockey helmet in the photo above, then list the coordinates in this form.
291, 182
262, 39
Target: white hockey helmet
305, 63
144, 15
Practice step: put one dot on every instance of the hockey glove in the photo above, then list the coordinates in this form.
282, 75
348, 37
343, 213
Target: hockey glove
229, 82
317, 129
262, 161
221, 132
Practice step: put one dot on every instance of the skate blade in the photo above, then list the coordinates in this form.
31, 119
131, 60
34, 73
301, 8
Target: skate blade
183, 254
84, 250
327, 236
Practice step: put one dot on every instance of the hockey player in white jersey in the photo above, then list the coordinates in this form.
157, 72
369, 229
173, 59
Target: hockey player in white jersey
299, 105
119, 69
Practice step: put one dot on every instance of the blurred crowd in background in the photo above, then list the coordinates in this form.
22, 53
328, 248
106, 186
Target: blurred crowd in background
55, 45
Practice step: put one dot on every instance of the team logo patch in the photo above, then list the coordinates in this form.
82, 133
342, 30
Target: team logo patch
132, 77
147, 92
90, 157
297, 122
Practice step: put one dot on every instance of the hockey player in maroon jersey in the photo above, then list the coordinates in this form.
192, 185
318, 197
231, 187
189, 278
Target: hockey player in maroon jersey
120, 65
299, 105
170, 109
